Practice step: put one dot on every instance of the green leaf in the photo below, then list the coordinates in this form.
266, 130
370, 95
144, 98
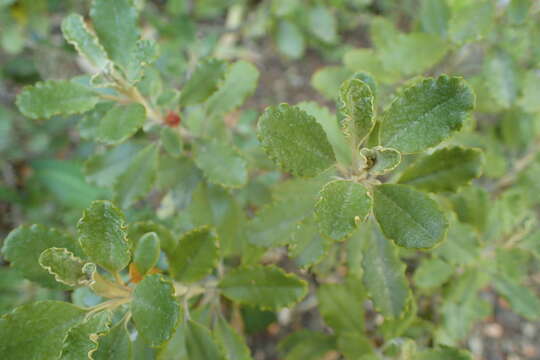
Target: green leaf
425, 114
434, 16
290, 40
274, 224
114, 345
444, 170
356, 104
52, 97
502, 79
380, 160
307, 344
232, 344
407, 54
103, 169
328, 80
199, 343
37, 330
323, 24
530, 92
67, 268
461, 246
295, 141
522, 300
147, 252
343, 205
82, 340
171, 141
195, 255
240, 82
120, 123
471, 205
204, 81
409, 217
137, 180
471, 21
77, 34
221, 163
384, 274
356, 346
115, 23
175, 348
331, 128
307, 246
145, 53
432, 273
263, 286
64, 180
444, 353
334, 298
136, 230
154, 309
103, 236
23, 246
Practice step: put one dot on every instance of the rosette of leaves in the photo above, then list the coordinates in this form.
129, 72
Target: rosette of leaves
124, 105
363, 193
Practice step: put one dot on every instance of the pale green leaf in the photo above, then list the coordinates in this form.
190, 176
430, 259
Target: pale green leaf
55, 97
120, 123
154, 309
522, 299
195, 255
171, 141
137, 180
263, 286
502, 79
145, 53
23, 246
384, 274
470, 20
77, 34
432, 273
356, 346
343, 205
199, 343
380, 160
366, 59
232, 344
290, 40
114, 345
204, 81
147, 251
307, 246
322, 23
295, 141
115, 23
328, 80
444, 353
335, 298
175, 348
239, 83
471, 205
434, 16
221, 163
82, 340
425, 114
356, 104
530, 92
37, 330
67, 268
307, 344
103, 235
103, 169
446, 169
409, 217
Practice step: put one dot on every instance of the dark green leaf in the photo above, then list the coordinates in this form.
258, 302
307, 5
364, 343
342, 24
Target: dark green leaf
103, 236
409, 217
295, 141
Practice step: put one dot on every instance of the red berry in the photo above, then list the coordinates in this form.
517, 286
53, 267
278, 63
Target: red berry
172, 119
